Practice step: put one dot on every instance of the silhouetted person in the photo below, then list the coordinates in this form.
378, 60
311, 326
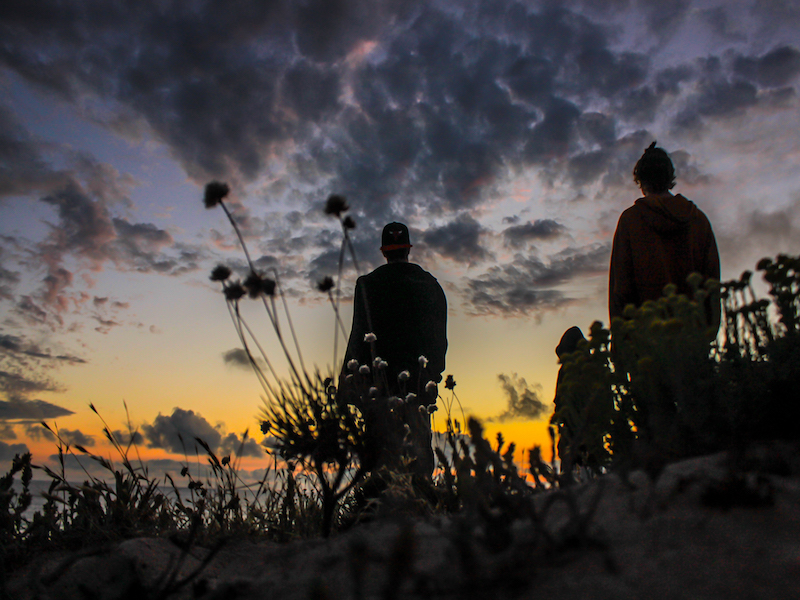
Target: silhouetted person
405, 308
566, 427
661, 239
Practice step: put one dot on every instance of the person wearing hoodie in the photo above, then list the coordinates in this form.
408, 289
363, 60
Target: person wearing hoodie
661, 239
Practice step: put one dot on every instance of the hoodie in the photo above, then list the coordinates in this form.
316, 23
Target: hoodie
660, 240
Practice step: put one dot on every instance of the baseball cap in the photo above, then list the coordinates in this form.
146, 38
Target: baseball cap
395, 237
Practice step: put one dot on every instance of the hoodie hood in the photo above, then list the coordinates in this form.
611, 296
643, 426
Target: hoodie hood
667, 215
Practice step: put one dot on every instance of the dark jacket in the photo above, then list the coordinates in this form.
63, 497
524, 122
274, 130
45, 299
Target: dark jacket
660, 240
406, 309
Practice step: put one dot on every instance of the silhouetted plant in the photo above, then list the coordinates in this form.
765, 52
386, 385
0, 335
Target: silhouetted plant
663, 391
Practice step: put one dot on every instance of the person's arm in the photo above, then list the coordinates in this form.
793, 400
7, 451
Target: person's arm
620, 276
356, 347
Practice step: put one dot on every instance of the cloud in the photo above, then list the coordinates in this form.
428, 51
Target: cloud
236, 357
177, 432
30, 410
240, 446
126, 438
518, 236
7, 431
9, 451
524, 401
776, 68
76, 437
528, 285
458, 240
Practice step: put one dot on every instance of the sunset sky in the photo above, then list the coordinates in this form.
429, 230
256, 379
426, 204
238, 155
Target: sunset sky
503, 133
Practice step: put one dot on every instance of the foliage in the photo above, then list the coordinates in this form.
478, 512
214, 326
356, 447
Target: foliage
656, 388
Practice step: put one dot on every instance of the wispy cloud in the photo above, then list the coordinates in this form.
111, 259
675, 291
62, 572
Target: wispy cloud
523, 400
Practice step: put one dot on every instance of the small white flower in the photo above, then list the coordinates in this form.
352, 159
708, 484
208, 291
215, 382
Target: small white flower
383, 364
430, 387
423, 362
376, 364
370, 337
364, 369
404, 375
352, 364
411, 397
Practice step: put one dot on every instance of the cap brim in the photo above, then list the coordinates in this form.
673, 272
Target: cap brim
391, 247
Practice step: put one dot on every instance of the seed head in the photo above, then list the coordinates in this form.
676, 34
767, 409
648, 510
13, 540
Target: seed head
352, 365
383, 364
403, 376
423, 362
432, 408
234, 291
364, 369
336, 205
449, 383
348, 223
220, 273
226, 460
265, 427
216, 192
376, 363
370, 337
430, 387
325, 284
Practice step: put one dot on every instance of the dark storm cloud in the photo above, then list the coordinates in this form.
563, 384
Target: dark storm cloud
176, 432
9, 451
774, 69
458, 240
524, 402
447, 98
518, 236
526, 285
17, 409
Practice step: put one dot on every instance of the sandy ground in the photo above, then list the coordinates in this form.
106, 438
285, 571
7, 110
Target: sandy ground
702, 530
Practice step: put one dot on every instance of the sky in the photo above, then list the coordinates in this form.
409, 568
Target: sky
502, 132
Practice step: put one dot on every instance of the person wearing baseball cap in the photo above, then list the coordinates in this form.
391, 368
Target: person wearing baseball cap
400, 333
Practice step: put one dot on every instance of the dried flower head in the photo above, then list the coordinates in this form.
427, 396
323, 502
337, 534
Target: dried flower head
432, 408
430, 387
336, 205
220, 273
352, 364
449, 383
370, 337
423, 410
265, 427
403, 376
423, 362
225, 460
234, 291
410, 397
348, 222
364, 369
215, 193
325, 284
376, 362
383, 364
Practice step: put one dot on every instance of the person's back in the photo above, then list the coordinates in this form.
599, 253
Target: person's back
407, 309
661, 239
